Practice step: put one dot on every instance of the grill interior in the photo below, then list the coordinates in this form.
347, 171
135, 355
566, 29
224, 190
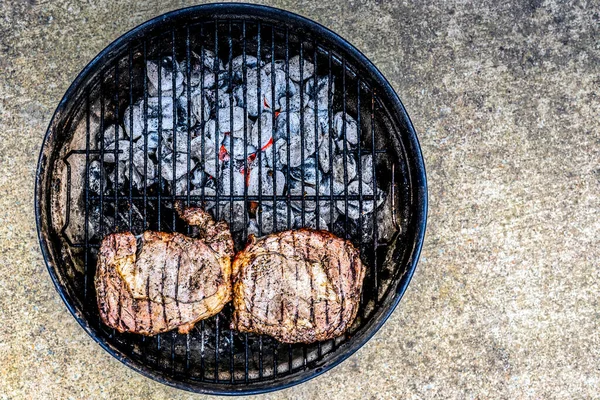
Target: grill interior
75, 216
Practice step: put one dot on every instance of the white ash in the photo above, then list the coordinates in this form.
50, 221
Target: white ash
168, 68
237, 66
354, 207
109, 135
110, 151
268, 176
153, 91
250, 98
273, 160
237, 152
266, 131
198, 177
151, 143
181, 165
253, 228
232, 178
367, 168
207, 191
277, 216
235, 217
281, 125
318, 93
226, 123
144, 165
325, 186
296, 190
125, 171
344, 168
200, 105
208, 57
204, 63
311, 136
96, 180
291, 103
279, 65
180, 139
295, 152
310, 221
307, 171
180, 187
225, 100
351, 133
308, 68
137, 113
277, 82
324, 155
324, 217
208, 158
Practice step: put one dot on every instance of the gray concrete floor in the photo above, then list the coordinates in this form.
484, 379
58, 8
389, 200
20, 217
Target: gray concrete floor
504, 96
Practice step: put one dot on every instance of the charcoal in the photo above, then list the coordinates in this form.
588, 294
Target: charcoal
325, 186
318, 94
231, 176
281, 124
109, 135
144, 166
354, 205
351, 134
296, 190
180, 139
200, 106
324, 156
291, 103
344, 168
198, 177
96, 178
277, 216
208, 158
234, 217
226, 123
168, 68
308, 68
181, 165
238, 147
367, 168
207, 191
253, 228
268, 175
149, 142
110, 156
295, 152
306, 172
266, 131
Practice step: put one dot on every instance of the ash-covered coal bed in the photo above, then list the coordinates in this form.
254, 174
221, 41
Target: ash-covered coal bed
260, 137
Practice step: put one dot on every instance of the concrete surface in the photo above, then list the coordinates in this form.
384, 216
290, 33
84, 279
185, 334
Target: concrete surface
505, 98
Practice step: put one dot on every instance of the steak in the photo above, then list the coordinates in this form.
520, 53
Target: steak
167, 280
298, 286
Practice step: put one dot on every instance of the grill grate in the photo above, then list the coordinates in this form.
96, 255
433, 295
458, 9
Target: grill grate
213, 354
128, 198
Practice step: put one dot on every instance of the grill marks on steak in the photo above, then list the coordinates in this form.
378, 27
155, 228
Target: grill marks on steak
170, 281
297, 286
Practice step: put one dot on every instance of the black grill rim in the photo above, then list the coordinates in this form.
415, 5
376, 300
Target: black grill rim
418, 187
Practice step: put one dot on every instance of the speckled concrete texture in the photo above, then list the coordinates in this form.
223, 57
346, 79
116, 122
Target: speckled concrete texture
505, 97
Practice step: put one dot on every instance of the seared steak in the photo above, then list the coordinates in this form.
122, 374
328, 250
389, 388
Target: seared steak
166, 281
297, 286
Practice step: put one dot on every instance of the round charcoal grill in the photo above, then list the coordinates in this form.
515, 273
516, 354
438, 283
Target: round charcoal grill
89, 185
